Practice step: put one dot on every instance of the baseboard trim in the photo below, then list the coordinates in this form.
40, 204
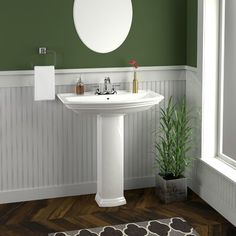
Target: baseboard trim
214, 199
217, 189
47, 192
68, 190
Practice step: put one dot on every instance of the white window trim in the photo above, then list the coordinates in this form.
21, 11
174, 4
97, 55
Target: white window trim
222, 156
208, 70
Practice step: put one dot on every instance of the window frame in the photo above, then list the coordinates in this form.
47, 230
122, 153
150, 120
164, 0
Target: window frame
220, 153
208, 67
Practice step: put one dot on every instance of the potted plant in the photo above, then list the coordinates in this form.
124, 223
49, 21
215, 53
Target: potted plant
171, 152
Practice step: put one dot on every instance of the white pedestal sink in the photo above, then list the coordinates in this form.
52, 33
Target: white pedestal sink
110, 111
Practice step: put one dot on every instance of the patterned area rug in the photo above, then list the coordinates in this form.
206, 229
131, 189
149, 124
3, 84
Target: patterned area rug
166, 227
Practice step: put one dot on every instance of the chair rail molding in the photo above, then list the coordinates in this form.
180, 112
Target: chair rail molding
95, 75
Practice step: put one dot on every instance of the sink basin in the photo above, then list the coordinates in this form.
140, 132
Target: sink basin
121, 103
110, 111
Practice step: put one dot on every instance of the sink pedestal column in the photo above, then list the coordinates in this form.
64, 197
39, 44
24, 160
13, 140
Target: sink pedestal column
110, 160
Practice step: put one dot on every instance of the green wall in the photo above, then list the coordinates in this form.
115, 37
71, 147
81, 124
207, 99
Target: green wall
158, 35
191, 33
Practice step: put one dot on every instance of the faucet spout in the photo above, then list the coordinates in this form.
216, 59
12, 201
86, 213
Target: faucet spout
107, 82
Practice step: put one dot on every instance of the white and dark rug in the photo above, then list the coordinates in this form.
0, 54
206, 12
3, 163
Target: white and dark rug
165, 227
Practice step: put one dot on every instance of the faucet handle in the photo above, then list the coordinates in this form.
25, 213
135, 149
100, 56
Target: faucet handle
113, 90
97, 87
98, 92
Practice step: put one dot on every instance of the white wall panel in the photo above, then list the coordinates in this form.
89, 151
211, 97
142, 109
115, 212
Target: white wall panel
47, 150
211, 179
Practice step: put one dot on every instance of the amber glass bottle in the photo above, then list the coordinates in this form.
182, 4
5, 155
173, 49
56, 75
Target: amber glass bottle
79, 88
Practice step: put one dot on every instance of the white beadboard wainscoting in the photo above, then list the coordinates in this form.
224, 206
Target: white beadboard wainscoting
211, 179
214, 187
48, 151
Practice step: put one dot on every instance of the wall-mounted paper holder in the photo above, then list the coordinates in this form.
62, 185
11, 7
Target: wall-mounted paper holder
44, 51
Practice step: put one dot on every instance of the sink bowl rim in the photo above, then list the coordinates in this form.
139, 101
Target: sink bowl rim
153, 97
112, 107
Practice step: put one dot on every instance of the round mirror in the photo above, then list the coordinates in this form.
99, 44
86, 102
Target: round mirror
103, 25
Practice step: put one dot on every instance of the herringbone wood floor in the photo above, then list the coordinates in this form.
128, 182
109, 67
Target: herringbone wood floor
36, 218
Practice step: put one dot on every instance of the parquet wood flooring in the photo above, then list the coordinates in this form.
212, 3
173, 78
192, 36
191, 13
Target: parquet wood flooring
38, 218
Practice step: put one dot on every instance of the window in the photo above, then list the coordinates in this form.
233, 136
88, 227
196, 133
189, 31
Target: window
227, 101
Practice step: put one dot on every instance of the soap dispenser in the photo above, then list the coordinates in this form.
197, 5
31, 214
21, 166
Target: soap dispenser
79, 88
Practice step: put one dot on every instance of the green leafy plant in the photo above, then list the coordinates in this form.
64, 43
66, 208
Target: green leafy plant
174, 140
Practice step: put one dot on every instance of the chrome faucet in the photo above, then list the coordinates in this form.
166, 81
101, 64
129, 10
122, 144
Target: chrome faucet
107, 82
107, 88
